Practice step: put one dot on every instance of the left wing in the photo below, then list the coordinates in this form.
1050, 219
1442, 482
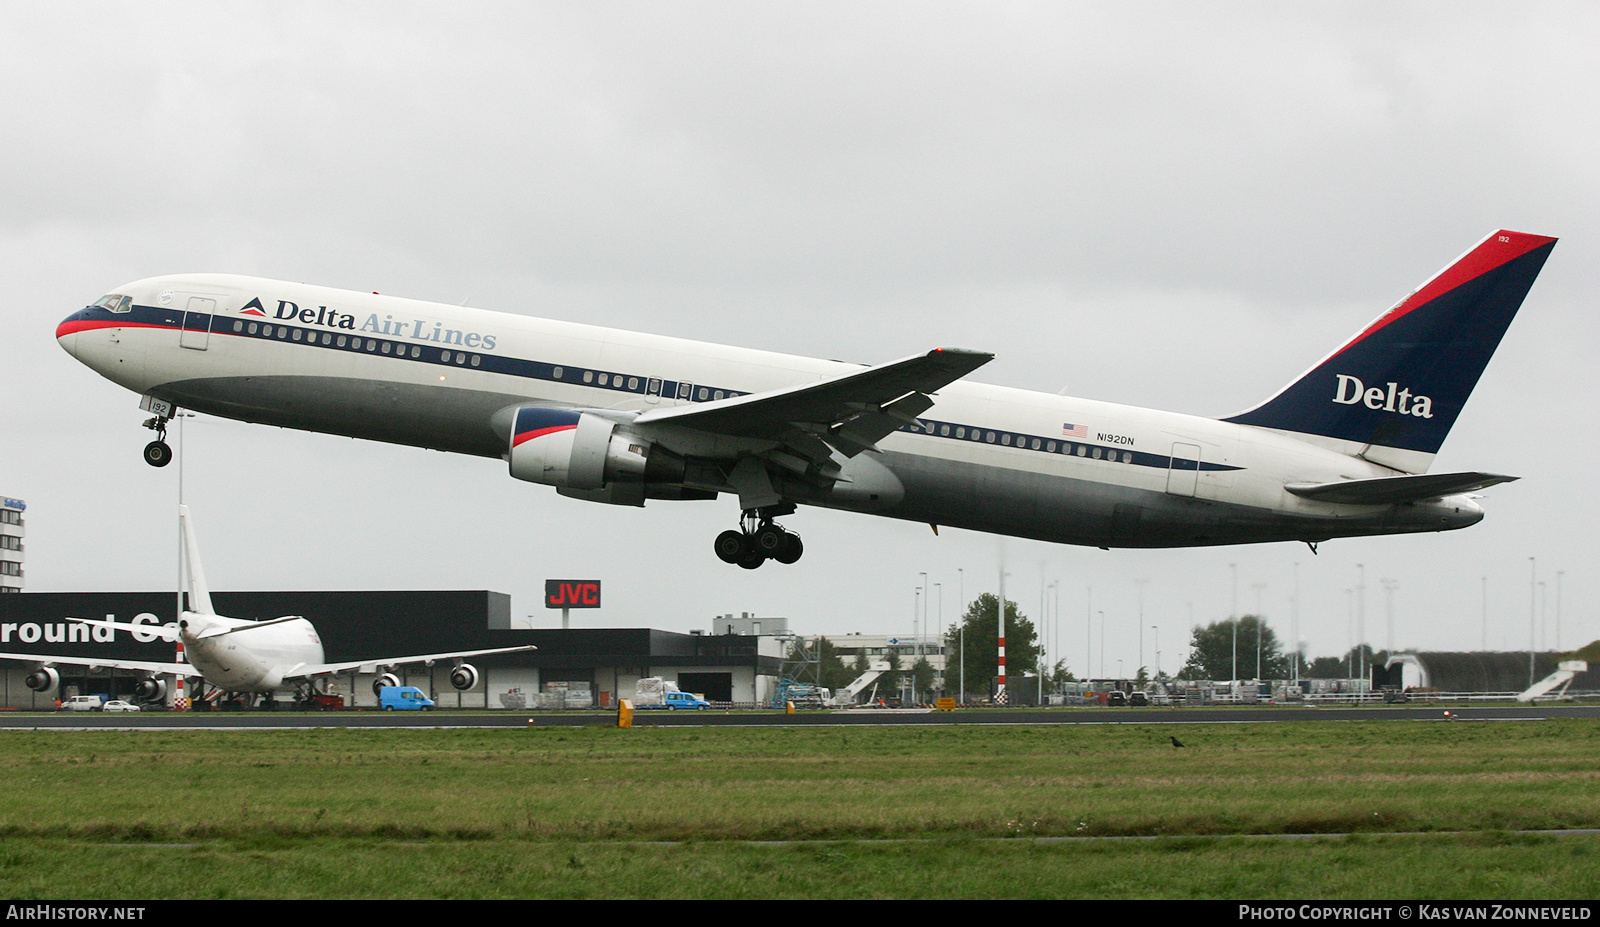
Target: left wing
323, 669
143, 666
850, 412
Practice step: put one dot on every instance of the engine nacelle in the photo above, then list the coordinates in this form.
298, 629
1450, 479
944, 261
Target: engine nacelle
150, 689
586, 455
464, 676
43, 679
384, 679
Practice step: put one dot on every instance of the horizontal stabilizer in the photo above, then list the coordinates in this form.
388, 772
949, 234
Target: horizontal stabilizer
1393, 490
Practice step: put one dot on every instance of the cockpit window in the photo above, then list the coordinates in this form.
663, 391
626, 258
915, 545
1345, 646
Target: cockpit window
115, 302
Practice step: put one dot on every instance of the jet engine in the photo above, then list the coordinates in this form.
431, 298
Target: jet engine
150, 689
43, 679
384, 679
464, 676
586, 455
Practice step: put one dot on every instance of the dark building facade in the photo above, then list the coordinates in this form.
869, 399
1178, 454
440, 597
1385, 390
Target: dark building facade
571, 668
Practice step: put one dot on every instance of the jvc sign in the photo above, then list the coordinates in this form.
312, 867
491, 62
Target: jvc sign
571, 593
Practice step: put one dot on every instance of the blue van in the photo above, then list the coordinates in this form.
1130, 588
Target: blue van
403, 698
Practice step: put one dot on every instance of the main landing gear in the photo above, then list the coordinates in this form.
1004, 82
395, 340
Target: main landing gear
760, 539
158, 453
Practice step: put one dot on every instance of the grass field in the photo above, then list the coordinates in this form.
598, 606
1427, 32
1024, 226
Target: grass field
1431, 810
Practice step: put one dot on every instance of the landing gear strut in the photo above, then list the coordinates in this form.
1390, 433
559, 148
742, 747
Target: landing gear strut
759, 539
157, 453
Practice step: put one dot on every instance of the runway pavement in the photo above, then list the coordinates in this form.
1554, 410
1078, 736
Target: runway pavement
283, 720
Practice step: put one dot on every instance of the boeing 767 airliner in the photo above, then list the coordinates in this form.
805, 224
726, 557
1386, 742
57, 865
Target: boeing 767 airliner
621, 417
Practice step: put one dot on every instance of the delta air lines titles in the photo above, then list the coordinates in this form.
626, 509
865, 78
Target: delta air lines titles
412, 329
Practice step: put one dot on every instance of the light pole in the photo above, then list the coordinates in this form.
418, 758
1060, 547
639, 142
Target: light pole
1233, 618
1139, 584
1258, 587
1533, 575
1558, 608
1157, 629
916, 639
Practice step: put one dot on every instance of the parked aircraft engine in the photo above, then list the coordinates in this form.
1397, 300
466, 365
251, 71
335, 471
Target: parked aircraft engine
43, 679
586, 455
464, 676
150, 689
384, 679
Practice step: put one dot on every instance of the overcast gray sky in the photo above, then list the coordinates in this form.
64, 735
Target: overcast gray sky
1166, 204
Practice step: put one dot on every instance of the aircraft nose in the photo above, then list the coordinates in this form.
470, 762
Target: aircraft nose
67, 332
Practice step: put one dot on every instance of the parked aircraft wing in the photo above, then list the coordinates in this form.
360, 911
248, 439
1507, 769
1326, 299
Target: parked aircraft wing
143, 666
323, 669
1396, 489
850, 411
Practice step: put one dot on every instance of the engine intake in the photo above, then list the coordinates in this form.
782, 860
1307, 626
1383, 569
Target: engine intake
150, 689
464, 676
384, 679
43, 679
587, 456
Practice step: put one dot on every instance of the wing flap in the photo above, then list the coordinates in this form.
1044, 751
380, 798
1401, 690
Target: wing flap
1394, 490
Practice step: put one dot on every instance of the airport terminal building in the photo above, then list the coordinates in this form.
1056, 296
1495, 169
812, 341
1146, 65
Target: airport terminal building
589, 667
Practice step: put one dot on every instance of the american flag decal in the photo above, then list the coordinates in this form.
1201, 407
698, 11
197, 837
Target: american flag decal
1075, 431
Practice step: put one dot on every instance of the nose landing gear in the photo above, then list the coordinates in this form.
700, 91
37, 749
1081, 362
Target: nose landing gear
158, 453
759, 539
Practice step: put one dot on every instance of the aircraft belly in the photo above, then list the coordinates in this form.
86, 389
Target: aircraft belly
1064, 510
454, 419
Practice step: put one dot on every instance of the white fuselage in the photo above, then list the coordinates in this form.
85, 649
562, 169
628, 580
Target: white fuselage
253, 660
984, 457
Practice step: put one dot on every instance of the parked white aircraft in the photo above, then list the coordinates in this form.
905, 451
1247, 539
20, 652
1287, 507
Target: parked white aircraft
235, 654
620, 417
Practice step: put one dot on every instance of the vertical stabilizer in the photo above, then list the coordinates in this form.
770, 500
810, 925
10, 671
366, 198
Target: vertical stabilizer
1391, 393
199, 592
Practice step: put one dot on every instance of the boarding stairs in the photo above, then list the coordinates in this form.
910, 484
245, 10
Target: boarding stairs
847, 695
1563, 676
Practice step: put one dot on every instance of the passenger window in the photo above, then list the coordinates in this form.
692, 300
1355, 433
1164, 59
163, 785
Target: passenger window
1006, 440
416, 351
588, 376
633, 383
327, 338
266, 331
461, 358
1127, 456
297, 334
371, 345
476, 360
556, 373
605, 378
252, 328
444, 356
944, 431
1082, 451
341, 340
238, 326
355, 343
717, 394
702, 394
385, 348
1035, 444
1097, 453
988, 436
1050, 447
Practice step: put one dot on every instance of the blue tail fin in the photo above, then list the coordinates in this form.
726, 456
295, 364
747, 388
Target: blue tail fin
1402, 381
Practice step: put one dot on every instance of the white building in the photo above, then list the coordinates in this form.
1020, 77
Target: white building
11, 546
909, 647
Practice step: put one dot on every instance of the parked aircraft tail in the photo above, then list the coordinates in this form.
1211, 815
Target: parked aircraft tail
199, 592
1391, 393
